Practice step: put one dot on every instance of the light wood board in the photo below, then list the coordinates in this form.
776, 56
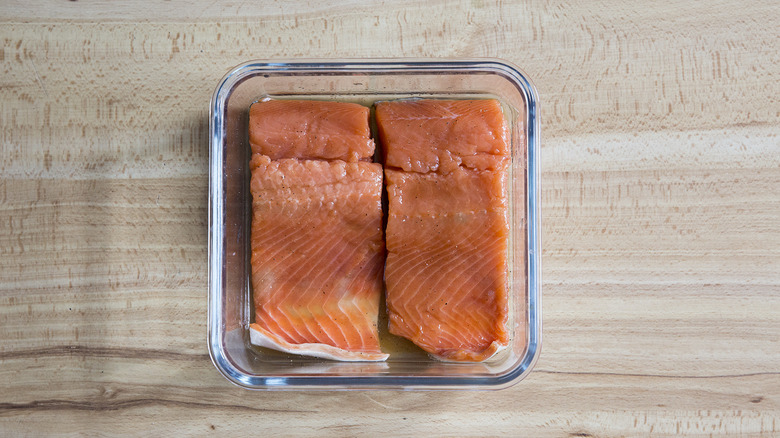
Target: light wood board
660, 192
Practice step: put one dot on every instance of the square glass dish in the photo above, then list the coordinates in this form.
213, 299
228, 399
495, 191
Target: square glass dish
366, 81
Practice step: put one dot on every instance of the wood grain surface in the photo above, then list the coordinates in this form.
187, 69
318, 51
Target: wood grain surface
660, 192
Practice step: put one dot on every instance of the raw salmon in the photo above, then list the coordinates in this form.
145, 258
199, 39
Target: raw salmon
316, 235
310, 129
447, 228
440, 135
317, 257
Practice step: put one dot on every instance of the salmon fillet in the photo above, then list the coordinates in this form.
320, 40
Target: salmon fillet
309, 129
317, 257
440, 135
316, 235
447, 228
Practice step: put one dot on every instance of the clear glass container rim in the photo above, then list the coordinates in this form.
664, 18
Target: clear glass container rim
373, 66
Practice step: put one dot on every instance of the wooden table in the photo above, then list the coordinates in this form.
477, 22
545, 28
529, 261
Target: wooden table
661, 215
